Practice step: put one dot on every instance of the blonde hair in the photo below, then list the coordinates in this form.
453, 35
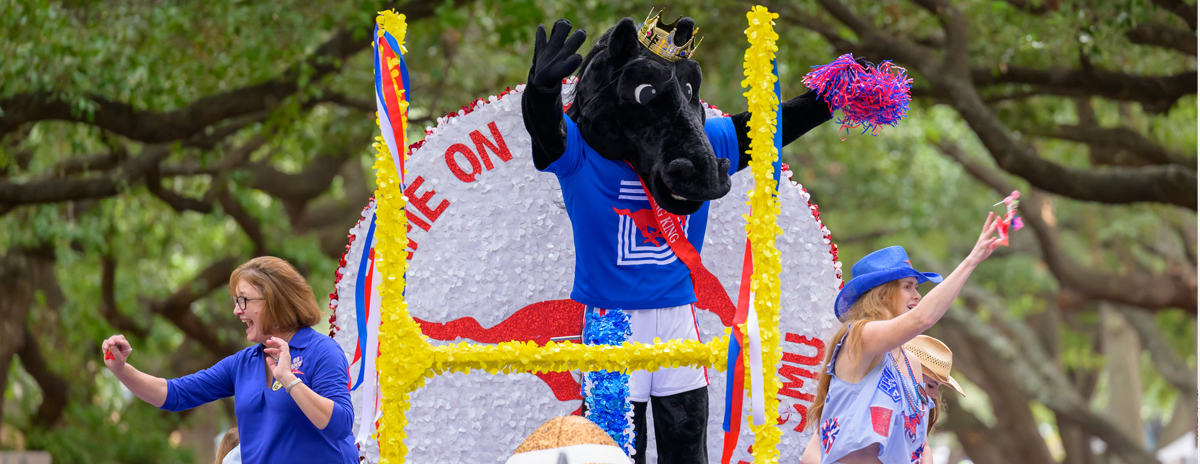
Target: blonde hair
289, 300
228, 443
936, 411
877, 304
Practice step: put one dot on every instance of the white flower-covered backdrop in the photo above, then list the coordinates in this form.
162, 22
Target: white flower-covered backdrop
493, 260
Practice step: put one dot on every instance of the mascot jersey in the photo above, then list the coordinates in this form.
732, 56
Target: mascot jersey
622, 261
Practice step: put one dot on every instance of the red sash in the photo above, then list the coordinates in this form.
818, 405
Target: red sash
671, 228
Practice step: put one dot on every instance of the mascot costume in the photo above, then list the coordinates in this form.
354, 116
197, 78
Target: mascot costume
635, 155
647, 177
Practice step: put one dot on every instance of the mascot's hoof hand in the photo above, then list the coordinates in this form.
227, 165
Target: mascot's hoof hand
555, 59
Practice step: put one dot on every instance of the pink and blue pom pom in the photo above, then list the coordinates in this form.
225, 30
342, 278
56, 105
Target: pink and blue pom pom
868, 96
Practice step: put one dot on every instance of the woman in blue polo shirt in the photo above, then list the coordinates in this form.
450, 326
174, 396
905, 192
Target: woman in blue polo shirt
290, 388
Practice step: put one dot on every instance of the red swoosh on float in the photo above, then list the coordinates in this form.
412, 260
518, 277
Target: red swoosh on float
539, 322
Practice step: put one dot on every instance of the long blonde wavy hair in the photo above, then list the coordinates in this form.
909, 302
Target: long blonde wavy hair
878, 304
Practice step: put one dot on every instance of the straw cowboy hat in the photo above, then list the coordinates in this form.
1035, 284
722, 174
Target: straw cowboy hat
936, 358
875, 269
568, 440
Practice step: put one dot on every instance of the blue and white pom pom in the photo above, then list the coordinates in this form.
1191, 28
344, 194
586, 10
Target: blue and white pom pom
868, 96
608, 392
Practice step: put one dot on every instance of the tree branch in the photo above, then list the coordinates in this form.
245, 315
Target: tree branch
57, 190
349, 102
977, 439
1170, 184
840, 44
177, 202
1158, 35
1020, 440
957, 33
1063, 401
166, 126
1168, 361
1180, 9
177, 307
1011, 96
1124, 138
1149, 291
108, 300
235, 157
91, 162
54, 388
876, 43
247, 222
1156, 93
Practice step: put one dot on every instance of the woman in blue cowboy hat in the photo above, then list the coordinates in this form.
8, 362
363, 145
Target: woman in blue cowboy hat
869, 406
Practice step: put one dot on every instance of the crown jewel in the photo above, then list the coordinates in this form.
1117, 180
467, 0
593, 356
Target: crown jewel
661, 40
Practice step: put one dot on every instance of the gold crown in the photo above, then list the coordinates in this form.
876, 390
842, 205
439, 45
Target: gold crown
662, 42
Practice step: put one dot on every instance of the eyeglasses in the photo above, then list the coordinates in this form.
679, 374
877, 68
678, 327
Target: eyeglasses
240, 301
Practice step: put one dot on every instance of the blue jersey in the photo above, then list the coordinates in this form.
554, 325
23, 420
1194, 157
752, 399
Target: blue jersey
622, 260
271, 427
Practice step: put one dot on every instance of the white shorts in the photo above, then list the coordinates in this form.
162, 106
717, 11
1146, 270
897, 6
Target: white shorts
677, 323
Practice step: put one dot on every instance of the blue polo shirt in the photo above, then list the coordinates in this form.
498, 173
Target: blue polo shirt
622, 260
271, 427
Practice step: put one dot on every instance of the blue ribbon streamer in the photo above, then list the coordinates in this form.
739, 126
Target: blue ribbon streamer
362, 296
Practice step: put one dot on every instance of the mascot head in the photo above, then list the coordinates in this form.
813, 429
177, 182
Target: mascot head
638, 100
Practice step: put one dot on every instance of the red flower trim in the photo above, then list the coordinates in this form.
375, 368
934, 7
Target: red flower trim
337, 275
833, 248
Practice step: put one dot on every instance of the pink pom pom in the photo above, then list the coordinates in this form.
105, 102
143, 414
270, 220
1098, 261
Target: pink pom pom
835, 81
868, 97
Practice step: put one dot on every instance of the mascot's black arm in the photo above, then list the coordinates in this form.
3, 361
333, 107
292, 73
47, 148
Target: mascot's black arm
541, 103
800, 115
542, 111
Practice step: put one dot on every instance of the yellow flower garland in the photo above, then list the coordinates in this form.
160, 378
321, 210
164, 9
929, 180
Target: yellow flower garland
514, 357
761, 226
403, 355
406, 358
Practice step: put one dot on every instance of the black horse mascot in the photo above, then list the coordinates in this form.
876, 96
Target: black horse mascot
636, 137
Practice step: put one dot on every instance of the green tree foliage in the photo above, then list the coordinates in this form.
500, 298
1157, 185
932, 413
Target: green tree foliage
147, 148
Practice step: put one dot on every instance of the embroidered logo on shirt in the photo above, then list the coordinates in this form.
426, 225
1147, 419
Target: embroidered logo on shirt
829, 432
916, 456
881, 419
890, 385
638, 239
911, 423
296, 363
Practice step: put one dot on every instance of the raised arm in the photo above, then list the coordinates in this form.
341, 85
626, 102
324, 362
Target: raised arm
541, 104
879, 337
149, 388
800, 115
812, 452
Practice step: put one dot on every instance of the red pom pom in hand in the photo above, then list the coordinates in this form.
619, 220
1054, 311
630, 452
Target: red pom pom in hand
868, 96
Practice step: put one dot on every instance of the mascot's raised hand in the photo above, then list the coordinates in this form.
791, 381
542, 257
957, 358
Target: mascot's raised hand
553, 60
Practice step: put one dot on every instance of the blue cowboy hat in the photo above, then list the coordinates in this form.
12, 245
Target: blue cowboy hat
875, 269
